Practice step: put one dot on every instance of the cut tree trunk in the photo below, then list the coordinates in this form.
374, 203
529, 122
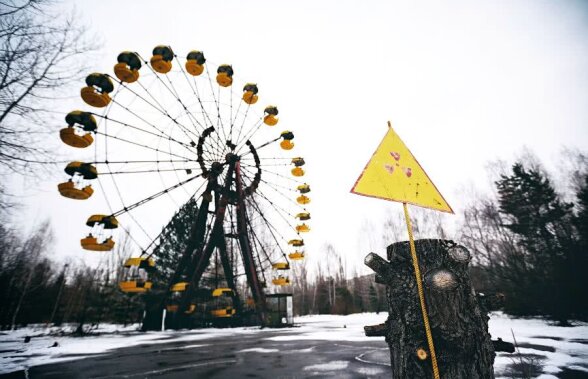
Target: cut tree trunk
459, 324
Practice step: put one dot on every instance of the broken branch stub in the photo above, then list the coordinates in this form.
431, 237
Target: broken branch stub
459, 324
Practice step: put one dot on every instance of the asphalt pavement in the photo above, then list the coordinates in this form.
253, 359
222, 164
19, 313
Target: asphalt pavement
240, 356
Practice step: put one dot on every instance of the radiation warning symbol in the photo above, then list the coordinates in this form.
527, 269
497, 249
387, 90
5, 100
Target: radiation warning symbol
394, 174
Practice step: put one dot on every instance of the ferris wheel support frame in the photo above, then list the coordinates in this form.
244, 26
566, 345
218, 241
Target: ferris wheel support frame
200, 259
226, 263
246, 252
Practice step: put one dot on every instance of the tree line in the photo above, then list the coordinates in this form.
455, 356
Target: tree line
528, 241
34, 289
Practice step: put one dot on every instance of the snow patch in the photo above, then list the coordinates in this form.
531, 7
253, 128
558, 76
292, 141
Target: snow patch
536, 332
335, 365
369, 371
332, 327
258, 350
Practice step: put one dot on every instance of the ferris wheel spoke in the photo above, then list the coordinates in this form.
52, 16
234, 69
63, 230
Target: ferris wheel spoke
273, 158
218, 142
130, 235
251, 229
159, 236
243, 122
261, 245
144, 161
219, 120
285, 196
189, 171
269, 165
176, 96
161, 133
282, 176
234, 119
126, 230
273, 231
257, 207
247, 136
258, 255
131, 216
148, 171
262, 145
141, 145
195, 92
182, 127
195, 123
122, 202
159, 108
186, 111
231, 116
262, 180
281, 211
154, 196
216, 149
217, 105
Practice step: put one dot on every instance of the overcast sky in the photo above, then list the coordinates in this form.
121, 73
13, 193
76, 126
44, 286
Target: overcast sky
463, 83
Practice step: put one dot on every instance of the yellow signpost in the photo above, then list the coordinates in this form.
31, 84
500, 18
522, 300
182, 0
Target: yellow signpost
394, 174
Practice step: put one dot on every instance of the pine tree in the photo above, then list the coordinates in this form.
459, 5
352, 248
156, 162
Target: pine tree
543, 226
172, 242
581, 219
580, 287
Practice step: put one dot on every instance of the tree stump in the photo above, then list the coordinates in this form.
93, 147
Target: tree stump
459, 324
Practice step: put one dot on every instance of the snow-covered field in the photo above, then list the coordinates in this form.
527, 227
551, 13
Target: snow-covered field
550, 347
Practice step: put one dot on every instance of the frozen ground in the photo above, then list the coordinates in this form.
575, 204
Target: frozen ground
551, 350
554, 350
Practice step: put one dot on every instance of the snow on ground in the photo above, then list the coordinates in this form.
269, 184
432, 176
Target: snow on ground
258, 350
15, 354
334, 365
332, 327
551, 347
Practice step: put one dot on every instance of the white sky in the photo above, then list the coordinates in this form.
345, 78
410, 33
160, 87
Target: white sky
463, 83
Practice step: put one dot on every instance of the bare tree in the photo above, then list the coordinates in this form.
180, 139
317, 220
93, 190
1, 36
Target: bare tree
40, 55
32, 250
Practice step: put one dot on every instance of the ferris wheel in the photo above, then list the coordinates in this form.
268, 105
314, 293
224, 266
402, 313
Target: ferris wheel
173, 129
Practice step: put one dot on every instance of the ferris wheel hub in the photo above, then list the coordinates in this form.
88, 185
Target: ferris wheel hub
216, 168
232, 158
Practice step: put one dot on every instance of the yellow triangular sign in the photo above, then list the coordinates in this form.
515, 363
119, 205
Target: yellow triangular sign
394, 174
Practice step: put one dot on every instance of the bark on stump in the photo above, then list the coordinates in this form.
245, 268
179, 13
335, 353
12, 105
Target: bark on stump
459, 324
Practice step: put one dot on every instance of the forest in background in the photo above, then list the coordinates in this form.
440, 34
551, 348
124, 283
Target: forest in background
528, 241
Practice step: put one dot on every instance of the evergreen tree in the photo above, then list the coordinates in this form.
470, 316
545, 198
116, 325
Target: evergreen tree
580, 289
173, 241
543, 226
581, 219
